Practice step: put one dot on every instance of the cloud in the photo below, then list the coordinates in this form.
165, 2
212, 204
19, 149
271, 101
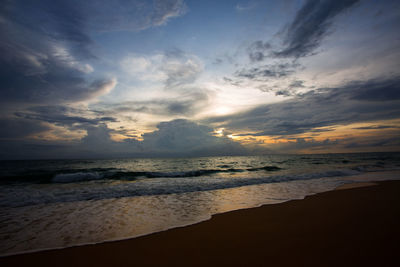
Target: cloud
189, 138
311, 24
277, 77
376, 91
303, 144
133, 15
240, 7
319, 108
173, 68
17, 128
380, 142
290, 90
44, 53
377, 127
304, 34
46, 49
172, 138
300, 38
257, 51
261, 73
63, 116
188, 103
180, 68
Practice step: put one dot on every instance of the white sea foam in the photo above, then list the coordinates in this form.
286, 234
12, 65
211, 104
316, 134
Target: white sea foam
50, 204
75, 223
67, 191
67, 224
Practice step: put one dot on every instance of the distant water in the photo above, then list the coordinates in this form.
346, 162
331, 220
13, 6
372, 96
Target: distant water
59, 203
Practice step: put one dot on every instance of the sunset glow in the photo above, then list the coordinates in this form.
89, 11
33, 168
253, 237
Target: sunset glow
276, 76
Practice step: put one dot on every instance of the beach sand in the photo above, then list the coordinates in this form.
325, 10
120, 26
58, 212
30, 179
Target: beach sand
358, 226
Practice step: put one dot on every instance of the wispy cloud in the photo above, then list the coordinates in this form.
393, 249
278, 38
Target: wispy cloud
261, 73
187, 104
244, 7
311, 24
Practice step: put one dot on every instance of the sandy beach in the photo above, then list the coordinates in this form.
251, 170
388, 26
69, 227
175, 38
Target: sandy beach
355, 226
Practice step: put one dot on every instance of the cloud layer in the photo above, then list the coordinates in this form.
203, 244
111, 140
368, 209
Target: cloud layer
354, 102
174, 138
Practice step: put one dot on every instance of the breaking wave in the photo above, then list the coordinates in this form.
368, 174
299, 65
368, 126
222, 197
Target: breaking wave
15, 196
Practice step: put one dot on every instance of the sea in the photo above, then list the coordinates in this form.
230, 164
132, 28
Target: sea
48, 204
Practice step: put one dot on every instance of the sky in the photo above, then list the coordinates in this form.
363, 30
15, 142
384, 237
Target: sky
171, 78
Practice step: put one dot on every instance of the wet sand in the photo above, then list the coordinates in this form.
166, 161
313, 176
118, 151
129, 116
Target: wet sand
355, 226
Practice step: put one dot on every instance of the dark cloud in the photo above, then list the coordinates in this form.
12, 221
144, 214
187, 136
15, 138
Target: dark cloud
377, 127
257, 51
376, 90
392, 142
62, 21
63, 116
44, 53
311, 24
304, 34
319, 108
290, 90
46, 48
190, 138
265, 72
284, 92
305, 144
269, 77
297, 84
17, 128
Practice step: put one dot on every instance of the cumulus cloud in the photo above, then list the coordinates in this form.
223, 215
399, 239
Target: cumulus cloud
187, 137
172, 138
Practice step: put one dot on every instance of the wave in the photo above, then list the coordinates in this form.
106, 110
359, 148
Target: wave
77, 177
84, 175
126, 175
17, 196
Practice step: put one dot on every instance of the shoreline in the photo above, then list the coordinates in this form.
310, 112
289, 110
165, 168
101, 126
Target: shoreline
254, 232
345, 185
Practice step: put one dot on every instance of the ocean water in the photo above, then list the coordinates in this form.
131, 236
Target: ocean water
48, 204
